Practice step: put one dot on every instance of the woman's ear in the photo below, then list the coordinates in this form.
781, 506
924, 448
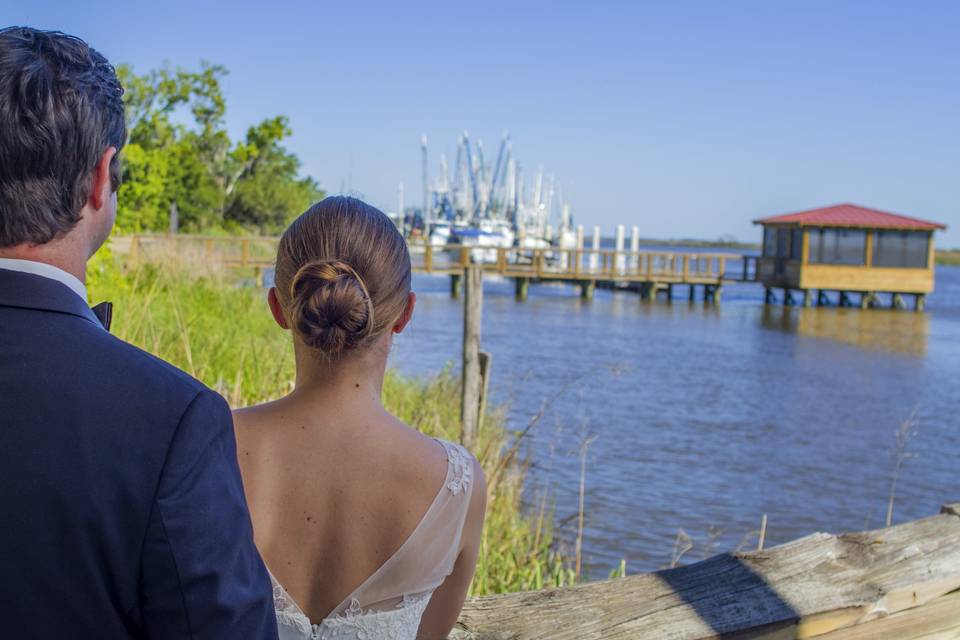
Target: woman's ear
276, 309
404, 318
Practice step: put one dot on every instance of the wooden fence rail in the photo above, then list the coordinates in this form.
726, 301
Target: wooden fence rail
899, 583
570, 265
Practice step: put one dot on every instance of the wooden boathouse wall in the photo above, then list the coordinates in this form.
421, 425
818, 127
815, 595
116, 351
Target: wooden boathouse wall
899, 583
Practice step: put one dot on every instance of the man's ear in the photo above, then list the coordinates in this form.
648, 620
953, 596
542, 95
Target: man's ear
404, 318
276, 309
101, 187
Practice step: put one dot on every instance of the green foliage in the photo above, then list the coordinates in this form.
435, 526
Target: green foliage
179, 152
268, 196
144, 192
224, 335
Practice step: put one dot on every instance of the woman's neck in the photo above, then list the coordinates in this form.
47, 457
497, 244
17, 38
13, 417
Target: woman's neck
355, 378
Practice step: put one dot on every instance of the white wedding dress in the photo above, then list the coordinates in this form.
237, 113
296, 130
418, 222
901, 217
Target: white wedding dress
388, 604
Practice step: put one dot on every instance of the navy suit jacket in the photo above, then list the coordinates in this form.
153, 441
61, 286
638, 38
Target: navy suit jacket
123, 513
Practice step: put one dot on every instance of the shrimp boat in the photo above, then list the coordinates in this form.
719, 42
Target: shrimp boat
486, 207
485, 237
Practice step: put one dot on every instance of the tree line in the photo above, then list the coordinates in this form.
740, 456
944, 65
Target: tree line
179, 160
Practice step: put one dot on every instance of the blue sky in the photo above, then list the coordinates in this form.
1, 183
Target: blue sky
688, 119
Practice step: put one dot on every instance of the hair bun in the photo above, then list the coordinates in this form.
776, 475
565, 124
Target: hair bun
330, 306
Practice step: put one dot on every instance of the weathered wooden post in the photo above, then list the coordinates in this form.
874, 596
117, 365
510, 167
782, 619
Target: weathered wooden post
618, 262
486, 362
587, 287
456, 285
428, 257
134, 250
634, 248
522, 287
174, 227
595, 254
471, 376
578, 256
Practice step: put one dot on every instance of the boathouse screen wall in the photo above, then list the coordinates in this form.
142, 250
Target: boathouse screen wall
904, 249
782, 242
838, 246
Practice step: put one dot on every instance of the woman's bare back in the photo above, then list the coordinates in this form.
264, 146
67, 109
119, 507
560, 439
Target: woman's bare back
333, 493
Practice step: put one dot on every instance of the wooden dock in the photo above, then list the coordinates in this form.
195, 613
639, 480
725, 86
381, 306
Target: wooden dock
900, 583
647, 272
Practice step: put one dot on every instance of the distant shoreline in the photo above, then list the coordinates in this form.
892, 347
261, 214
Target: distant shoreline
948, 257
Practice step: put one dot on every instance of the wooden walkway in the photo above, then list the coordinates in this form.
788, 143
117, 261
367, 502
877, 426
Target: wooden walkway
647, 272
900, 583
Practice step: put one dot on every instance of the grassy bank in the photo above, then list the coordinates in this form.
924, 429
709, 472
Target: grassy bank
224, 336
948, 256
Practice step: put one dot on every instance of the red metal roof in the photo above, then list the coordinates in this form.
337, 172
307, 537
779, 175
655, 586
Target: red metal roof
851, 215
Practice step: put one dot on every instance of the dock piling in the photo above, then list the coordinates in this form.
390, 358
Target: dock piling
522, 287
456, 285
595, 254
618, 260
648, 291
587, 288
472, 387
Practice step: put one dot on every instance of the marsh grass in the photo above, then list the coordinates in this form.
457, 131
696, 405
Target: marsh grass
223, 335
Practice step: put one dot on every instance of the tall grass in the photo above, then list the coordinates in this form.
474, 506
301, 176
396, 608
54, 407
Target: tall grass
223, 335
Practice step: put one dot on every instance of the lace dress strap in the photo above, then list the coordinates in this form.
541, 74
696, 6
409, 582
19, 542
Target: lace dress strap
429, 553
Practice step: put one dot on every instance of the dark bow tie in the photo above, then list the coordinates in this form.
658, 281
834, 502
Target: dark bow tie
104, 313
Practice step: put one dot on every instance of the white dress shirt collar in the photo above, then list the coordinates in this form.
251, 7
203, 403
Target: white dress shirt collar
47, 271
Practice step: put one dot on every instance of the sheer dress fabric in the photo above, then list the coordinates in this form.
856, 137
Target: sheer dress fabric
390, 603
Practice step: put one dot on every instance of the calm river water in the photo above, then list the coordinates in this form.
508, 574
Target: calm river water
703, 419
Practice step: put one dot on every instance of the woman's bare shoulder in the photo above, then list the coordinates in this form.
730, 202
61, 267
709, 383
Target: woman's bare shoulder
418, 455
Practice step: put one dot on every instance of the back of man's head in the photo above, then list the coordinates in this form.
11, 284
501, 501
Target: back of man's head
61, 107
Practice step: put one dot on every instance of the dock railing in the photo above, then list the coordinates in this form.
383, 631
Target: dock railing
571, 265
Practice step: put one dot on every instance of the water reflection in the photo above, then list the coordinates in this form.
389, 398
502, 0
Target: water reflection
897, 331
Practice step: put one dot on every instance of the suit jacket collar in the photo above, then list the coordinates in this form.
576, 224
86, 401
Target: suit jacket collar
29, 291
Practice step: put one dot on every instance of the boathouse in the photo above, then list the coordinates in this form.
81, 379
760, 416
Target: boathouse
848, 249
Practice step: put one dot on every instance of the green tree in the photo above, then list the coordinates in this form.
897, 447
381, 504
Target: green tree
267, 194
179, 152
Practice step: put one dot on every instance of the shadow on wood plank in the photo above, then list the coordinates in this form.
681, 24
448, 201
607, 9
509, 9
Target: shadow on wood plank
729, 596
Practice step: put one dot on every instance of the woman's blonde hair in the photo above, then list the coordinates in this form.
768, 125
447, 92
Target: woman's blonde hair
342, 275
